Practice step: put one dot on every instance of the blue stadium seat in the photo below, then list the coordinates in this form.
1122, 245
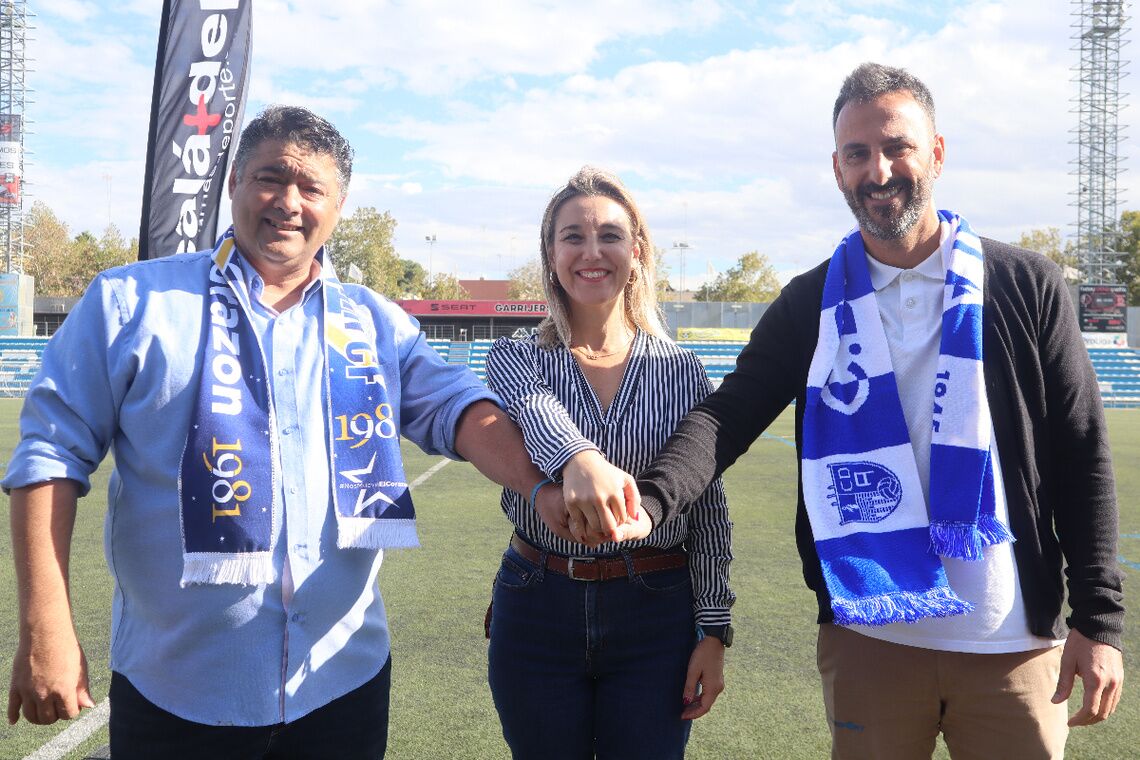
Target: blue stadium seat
1117, 369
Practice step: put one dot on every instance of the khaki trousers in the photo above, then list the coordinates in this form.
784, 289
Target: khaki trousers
888, 701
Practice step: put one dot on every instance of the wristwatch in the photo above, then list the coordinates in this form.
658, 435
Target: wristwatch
722, 632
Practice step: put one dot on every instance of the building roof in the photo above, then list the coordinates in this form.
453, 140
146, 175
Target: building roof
487, 290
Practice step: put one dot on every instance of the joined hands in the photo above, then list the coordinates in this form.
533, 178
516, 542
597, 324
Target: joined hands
598, 503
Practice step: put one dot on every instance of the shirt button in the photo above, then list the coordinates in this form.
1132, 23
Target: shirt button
908, 276
292, 489
296, 617
910, 302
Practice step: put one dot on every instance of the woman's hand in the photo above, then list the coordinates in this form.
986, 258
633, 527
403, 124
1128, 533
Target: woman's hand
706, 670
600, 500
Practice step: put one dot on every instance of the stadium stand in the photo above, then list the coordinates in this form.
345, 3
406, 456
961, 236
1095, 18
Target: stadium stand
19, 362
1117, 369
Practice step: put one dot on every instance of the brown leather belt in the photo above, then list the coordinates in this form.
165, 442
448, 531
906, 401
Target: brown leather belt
645, 560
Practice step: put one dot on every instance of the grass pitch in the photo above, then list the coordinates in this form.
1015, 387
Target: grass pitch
437, 595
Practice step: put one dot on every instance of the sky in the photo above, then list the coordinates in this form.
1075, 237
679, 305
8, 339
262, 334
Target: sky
467, 115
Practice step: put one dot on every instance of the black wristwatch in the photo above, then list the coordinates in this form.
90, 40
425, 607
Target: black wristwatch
722, 632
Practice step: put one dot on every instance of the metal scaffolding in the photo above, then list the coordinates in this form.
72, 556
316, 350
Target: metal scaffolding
13, 125
1100, 27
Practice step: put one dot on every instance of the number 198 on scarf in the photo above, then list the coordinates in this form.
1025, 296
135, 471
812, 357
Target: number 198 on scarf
361, 426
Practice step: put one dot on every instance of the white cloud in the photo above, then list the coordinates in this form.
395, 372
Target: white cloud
744, 136
73, 11
435, 46
493, 105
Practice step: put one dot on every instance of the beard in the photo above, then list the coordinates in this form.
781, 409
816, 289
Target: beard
885, 223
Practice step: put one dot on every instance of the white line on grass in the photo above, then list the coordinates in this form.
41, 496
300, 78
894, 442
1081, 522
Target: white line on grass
780, 438
431, 471
75, 734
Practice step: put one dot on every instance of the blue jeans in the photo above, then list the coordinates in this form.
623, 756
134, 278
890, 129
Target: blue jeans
590, 669
353, 726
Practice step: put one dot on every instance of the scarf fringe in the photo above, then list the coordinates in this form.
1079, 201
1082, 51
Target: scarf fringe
251, 569
899, 606
956, 539
994, 531
966, 540
370, 533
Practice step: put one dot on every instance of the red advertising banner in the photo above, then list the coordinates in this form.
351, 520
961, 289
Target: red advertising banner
11, 157
474, 308
9, 189
200, 81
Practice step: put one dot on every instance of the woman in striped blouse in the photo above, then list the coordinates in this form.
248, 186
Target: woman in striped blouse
606, 651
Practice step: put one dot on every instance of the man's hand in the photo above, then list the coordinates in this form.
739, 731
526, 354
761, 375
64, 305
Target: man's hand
49, 672
49, 678
599, 498
1101, 668
706, 669
639, 527
551, 508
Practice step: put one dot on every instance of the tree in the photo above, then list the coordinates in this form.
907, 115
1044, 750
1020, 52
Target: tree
752, 280
365, 240
48, 258
526, 282
1047, 241
445, 287
413, 279
1129, 274
85, 259
64, 266
113, 250
663, 287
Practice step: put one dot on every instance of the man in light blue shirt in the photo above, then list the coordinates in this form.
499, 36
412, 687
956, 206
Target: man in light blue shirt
240, 625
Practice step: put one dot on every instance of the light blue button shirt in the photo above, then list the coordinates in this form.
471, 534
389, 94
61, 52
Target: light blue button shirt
122, 374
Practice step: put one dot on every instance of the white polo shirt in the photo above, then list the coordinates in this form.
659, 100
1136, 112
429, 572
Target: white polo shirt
910, 305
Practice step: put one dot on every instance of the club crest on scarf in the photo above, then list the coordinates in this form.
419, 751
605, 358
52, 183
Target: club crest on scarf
863, 492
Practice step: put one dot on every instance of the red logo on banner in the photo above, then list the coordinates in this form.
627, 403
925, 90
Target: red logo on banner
9, 189
203, 118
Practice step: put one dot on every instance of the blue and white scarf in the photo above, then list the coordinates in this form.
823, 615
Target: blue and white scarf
229, 482
877, 543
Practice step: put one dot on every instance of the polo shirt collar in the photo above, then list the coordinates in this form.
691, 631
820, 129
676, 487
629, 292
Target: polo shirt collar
932, 267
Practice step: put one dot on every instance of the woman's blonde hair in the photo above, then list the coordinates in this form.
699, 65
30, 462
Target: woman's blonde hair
641, 309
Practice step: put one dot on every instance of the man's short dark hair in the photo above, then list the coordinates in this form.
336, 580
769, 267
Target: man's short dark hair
299, 126
871, 80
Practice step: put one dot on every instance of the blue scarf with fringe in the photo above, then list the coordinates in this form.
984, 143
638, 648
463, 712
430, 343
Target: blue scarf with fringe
878, 545
229, 482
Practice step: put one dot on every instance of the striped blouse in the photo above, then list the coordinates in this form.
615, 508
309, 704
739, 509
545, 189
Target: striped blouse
548, 396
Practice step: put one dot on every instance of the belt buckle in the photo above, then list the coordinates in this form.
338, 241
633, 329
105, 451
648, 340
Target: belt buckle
571, 562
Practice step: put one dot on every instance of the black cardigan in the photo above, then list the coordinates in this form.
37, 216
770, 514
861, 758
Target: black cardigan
1048, 422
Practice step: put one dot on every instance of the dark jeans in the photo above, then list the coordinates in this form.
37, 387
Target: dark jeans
580, 669
354, 726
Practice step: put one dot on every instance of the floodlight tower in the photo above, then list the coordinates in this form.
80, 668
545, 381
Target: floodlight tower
1100, 26
13, 93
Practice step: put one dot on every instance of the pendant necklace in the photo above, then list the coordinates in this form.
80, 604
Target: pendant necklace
592, 356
